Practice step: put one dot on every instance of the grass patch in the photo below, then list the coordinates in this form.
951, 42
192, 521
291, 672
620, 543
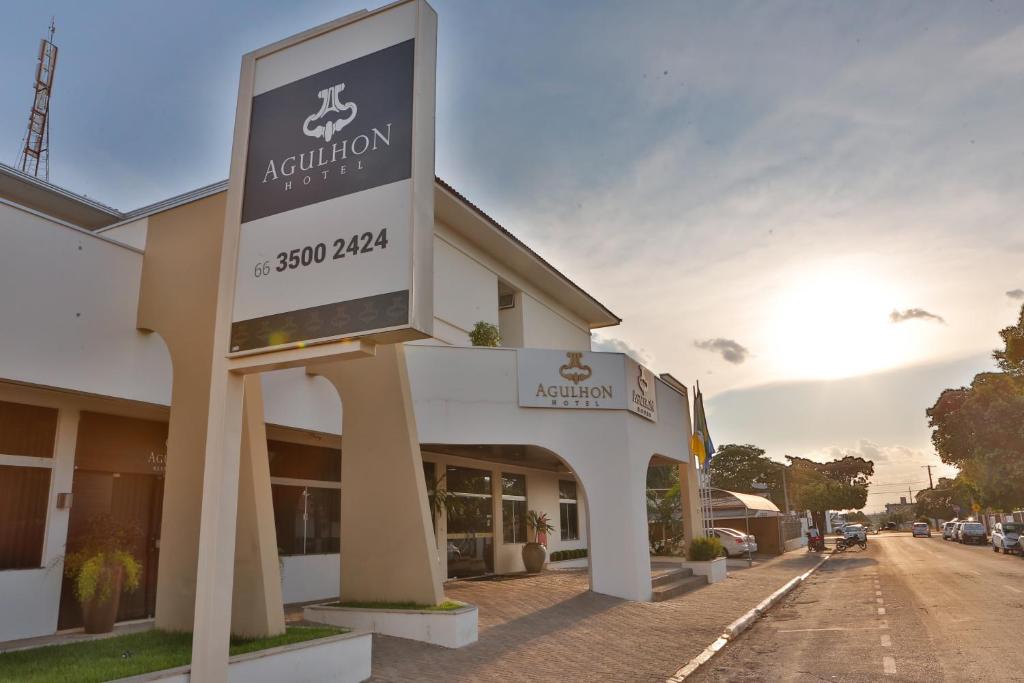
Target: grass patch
446, 606
106, 659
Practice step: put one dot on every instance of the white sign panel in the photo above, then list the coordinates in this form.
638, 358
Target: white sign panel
641, 387
336, 221
585, 380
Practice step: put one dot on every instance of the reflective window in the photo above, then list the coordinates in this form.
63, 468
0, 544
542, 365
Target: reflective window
513, 507
27, 430
568, 510
24, 492
307, 518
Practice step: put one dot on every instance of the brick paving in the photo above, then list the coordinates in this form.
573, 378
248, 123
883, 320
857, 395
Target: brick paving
550, 627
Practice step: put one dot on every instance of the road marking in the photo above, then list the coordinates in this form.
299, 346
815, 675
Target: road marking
833, 628
889, 665
1015, 590
881, 611
880, 601
886, 640
878, 594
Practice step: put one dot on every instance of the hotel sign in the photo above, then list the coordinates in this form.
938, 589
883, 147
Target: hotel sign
585, 380
336, 211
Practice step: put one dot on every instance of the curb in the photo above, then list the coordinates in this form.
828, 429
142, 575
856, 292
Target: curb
742, 624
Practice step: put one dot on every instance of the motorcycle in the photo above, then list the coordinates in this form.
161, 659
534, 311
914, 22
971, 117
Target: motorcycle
815, 544
843, 543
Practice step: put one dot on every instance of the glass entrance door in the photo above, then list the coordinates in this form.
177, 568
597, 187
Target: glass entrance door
470, 537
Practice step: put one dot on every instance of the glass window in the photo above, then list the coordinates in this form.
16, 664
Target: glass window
467, 480
307, 518
470, 522
568, 510
513, 507
299, 461
24, 492
27, 430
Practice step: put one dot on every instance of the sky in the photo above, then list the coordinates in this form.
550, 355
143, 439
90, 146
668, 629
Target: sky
813, 208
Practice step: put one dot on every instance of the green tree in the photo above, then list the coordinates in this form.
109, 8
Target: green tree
980, 430
941, 501
1011, 357
835, 485
738, 467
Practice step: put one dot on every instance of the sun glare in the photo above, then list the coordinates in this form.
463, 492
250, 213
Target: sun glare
831, 321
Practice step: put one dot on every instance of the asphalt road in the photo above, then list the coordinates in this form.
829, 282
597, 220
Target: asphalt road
905, 609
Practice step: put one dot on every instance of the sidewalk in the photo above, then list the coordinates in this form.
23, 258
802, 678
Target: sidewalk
549, 627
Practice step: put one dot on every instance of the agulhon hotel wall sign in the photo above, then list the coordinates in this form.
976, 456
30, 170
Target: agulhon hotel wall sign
583, 380
337, 209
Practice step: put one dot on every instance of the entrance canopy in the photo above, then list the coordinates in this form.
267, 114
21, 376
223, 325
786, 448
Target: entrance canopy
731, 504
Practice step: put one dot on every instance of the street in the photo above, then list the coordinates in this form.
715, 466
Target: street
906, 609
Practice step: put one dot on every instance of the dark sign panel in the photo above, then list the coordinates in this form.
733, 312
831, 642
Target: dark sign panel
343, 130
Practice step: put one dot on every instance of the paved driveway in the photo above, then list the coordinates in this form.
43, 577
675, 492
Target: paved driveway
549, 627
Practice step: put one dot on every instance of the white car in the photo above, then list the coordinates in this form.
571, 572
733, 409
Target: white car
921, 529
1006, 537
735, 543
855, 531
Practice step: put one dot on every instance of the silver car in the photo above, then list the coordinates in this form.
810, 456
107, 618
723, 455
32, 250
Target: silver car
1006, 537
947, 530
734, 542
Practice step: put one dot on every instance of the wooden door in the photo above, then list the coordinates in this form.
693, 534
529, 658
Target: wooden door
134, 499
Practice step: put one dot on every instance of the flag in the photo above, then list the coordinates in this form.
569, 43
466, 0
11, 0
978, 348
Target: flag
700, 431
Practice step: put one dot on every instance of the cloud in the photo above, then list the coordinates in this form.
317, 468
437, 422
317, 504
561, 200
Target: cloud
614, 345
1016, 293
914, 314
730, 350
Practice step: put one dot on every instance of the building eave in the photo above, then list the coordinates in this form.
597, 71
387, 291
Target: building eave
51, 200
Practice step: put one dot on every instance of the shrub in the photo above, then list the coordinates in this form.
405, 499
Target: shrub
703, 548
485, 334
104, 545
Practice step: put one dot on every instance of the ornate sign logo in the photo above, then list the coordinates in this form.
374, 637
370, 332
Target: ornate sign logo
575, 371
330, 103
641, 381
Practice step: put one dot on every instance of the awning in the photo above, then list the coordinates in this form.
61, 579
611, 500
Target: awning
730, 504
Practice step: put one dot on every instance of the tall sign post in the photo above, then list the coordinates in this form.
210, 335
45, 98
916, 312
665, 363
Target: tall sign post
328, 233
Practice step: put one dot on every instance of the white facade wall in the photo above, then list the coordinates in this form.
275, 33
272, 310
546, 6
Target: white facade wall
29, 598
133, 233
546, 328
305, 578
69, 308
465, 292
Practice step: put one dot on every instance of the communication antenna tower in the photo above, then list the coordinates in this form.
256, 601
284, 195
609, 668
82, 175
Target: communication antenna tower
35, 154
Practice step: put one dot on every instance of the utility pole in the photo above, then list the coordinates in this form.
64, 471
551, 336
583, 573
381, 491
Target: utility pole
929, 468
785, 489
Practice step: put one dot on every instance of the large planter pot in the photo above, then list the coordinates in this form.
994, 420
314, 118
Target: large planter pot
534, 555
97, 616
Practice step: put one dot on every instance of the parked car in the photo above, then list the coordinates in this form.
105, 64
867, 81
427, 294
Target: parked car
947, 530
921, 529
1006, 537
855, 531
736, 543
973, 532
957, 528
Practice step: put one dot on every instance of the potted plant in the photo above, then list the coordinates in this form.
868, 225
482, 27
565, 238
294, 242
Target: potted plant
535, 552
101, 567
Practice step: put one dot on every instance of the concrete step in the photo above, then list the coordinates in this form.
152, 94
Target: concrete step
679, 587
666, 577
